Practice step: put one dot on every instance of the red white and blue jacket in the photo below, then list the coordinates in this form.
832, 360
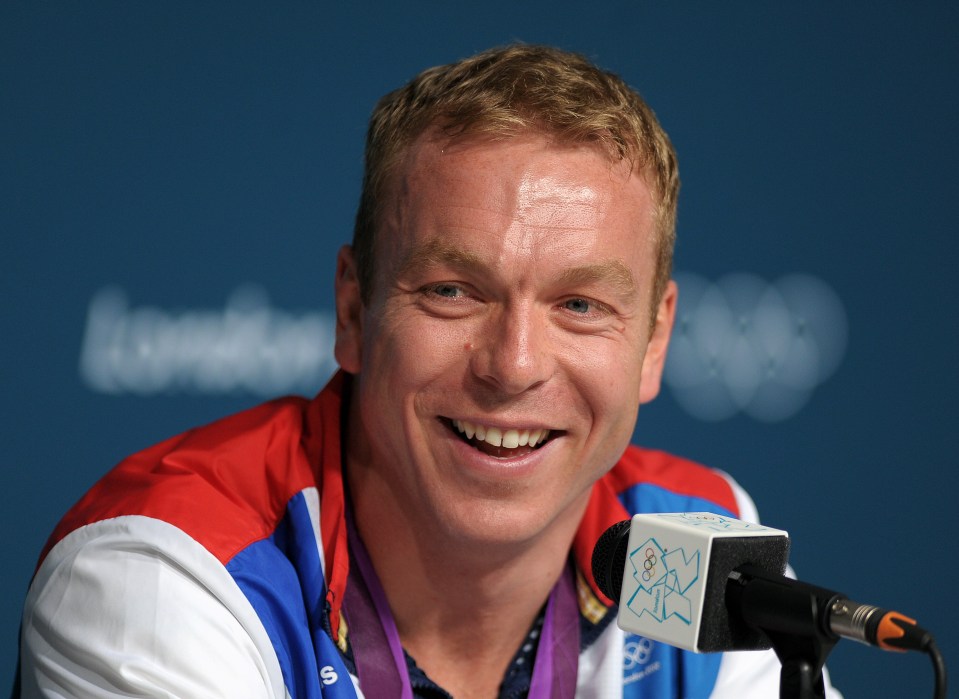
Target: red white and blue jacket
214, 564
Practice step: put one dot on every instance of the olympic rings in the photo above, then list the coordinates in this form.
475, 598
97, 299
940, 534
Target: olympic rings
649, 565
742, 344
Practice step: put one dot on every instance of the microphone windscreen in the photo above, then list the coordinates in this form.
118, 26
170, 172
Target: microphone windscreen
609, 559
720, 629
669, 573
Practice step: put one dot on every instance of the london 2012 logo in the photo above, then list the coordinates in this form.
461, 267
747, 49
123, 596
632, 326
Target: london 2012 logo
664, 577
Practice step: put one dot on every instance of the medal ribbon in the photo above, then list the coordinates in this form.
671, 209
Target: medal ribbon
378, 652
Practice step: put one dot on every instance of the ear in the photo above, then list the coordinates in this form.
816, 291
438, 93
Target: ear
349, 313
655, 359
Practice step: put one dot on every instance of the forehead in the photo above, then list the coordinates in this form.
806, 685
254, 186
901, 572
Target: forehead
523, 193
526, 169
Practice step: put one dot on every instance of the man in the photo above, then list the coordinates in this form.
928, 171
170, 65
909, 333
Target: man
423, 526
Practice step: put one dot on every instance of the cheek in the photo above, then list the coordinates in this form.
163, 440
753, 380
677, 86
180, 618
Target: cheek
609, 371
414, 350
608, 384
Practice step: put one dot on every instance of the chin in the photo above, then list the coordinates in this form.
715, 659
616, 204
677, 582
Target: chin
502, 522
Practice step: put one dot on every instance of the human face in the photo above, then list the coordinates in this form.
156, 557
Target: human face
511, 298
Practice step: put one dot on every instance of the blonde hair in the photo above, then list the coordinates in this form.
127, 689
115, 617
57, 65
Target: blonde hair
505, 91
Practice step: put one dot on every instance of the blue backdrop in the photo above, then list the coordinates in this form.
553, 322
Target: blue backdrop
176, 178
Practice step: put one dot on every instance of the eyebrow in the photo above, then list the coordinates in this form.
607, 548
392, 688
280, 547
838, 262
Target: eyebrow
437, 252
611, 272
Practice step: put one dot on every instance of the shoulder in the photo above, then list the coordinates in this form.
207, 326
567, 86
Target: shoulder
224, 484
128, 603
646, 480
202, 546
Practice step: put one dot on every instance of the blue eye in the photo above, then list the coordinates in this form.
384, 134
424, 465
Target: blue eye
578, 305
447, 290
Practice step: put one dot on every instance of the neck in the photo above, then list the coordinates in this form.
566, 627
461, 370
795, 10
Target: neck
462, 608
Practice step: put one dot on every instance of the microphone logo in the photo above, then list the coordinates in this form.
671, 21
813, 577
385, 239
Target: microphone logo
649, 565
663, 579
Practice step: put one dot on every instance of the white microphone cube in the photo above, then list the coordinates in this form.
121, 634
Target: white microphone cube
677, 567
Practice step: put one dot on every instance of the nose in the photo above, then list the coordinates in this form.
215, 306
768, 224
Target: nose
514, 354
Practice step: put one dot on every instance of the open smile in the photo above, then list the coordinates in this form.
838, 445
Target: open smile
498, 442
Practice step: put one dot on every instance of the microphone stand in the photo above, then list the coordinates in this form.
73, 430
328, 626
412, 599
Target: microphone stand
794, 618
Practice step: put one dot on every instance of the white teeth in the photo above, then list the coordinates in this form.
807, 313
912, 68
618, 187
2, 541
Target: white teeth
510, 439
537, 436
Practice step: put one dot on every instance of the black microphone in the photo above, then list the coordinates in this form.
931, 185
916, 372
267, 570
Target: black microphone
709, 583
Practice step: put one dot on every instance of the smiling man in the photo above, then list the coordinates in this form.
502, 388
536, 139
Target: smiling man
424, 526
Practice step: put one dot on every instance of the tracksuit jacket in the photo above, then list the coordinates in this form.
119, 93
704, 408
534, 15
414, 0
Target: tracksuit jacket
214, 564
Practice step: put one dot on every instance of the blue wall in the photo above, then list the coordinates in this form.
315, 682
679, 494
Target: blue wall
202, 162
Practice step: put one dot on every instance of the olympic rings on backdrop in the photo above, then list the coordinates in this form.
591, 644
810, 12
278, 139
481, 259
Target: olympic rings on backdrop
742, 344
